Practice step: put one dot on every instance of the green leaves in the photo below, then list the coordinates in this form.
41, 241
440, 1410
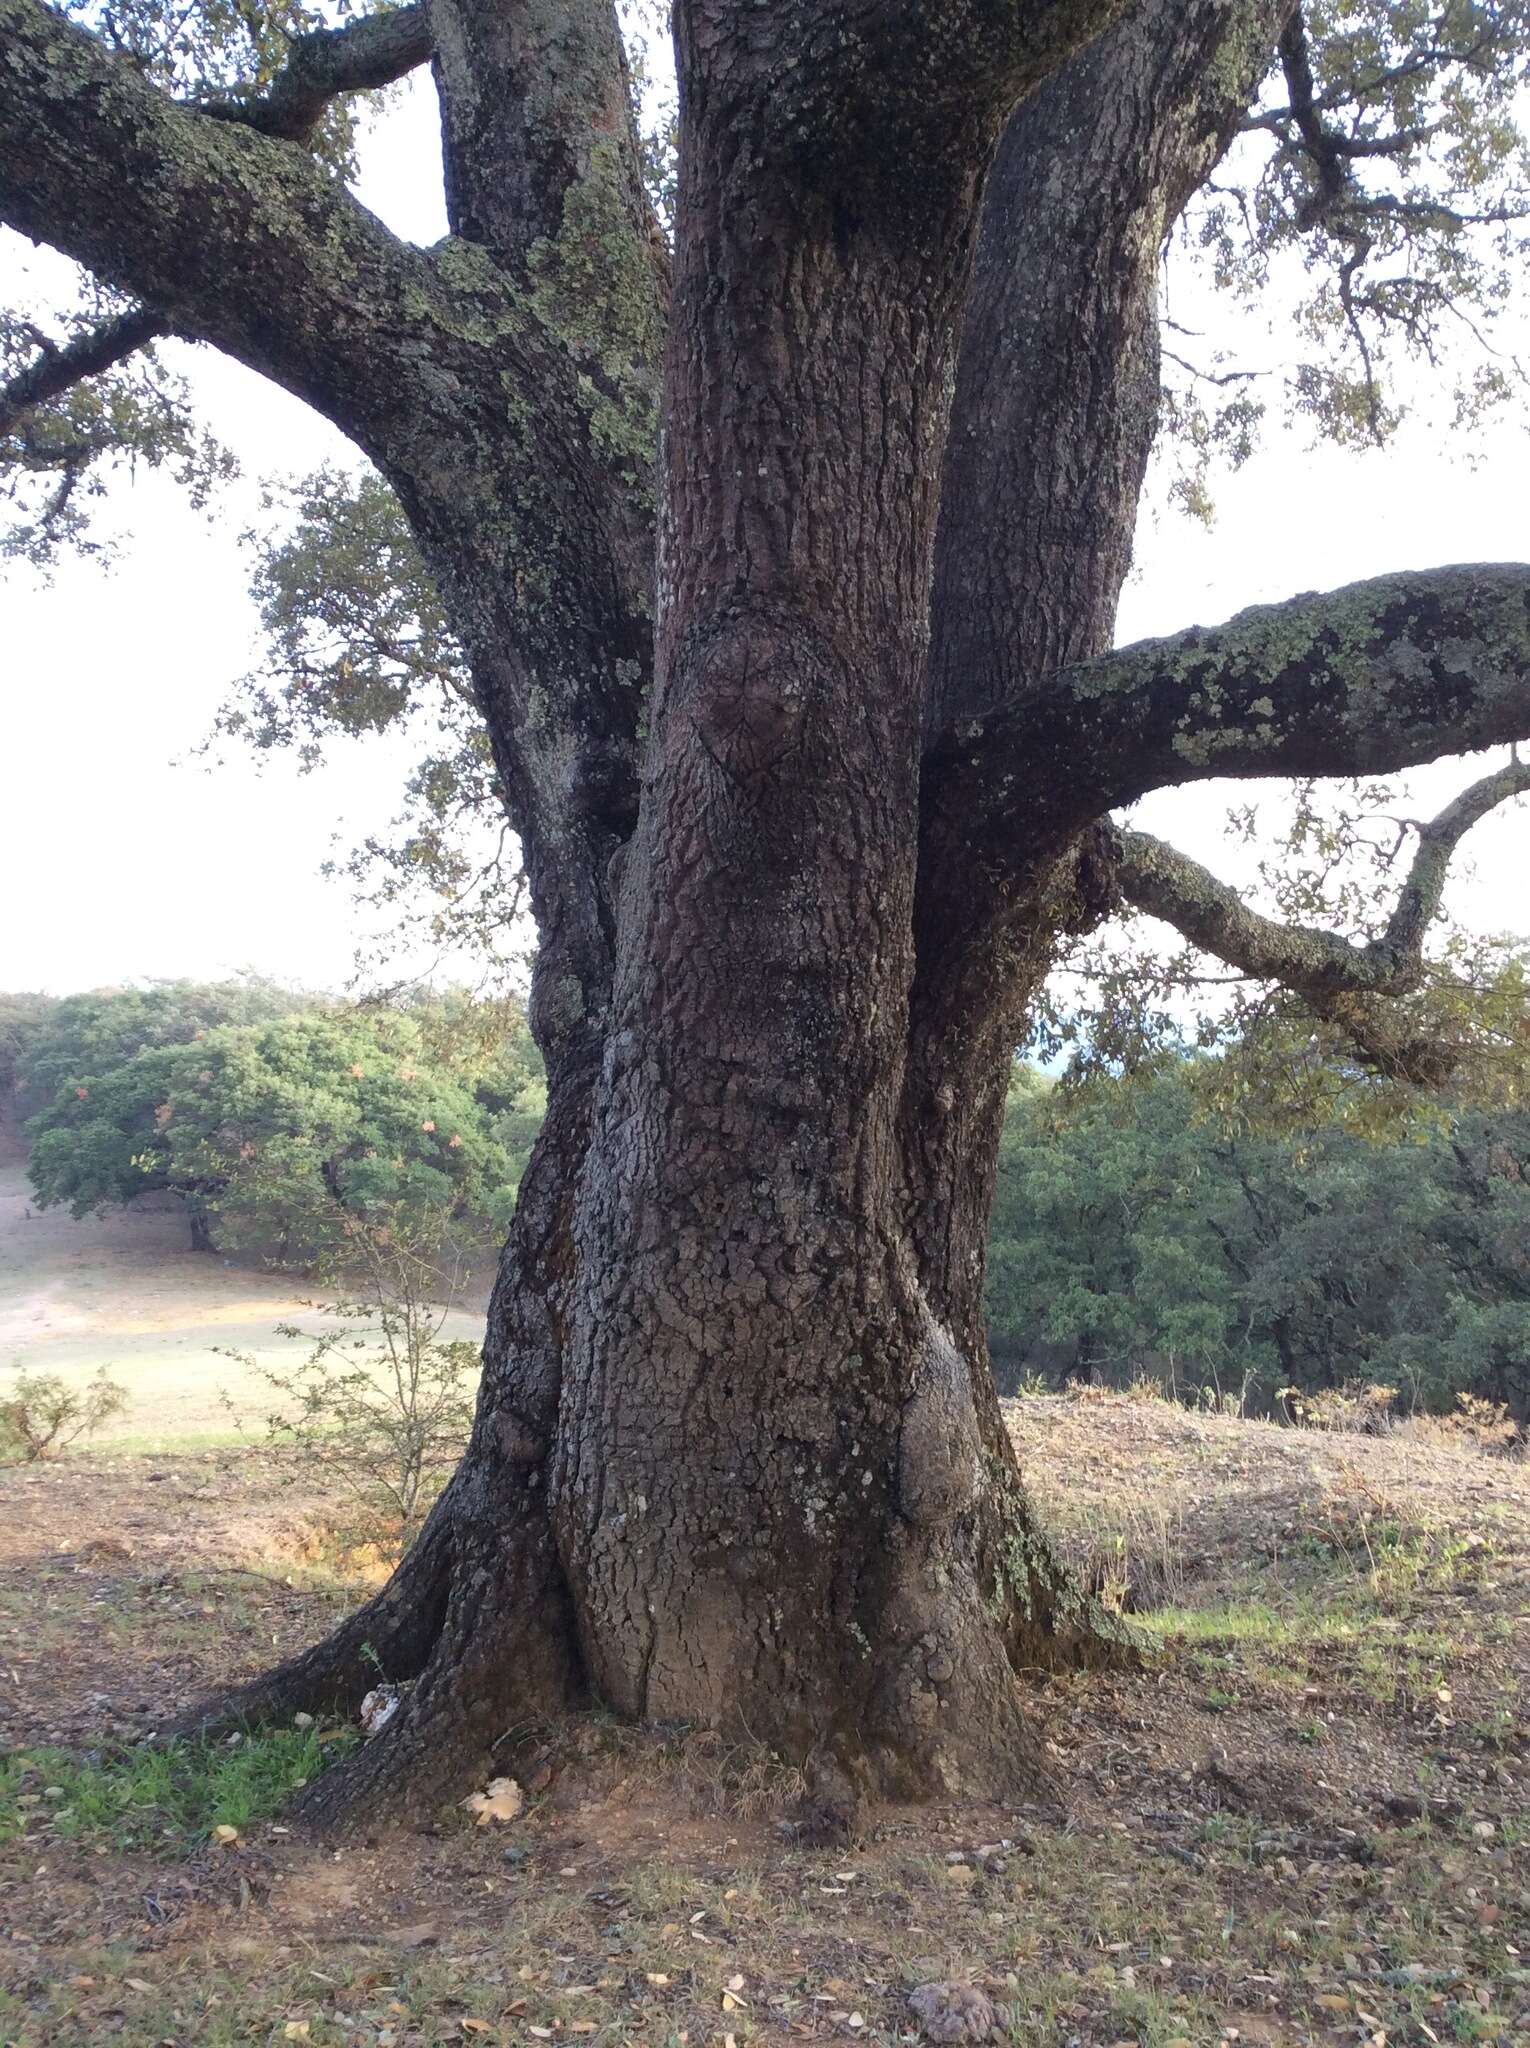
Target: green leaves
1132, 1226
59, 456
289, 1132
1381, 190
357, 643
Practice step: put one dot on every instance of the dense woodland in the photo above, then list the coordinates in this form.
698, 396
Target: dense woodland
283, 1121
1138, 1232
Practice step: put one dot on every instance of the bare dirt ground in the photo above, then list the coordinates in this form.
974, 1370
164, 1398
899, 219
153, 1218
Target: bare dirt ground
124, 1291
1305, 1819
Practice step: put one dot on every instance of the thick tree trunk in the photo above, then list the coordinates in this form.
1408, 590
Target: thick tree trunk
732, 1464
739, 1460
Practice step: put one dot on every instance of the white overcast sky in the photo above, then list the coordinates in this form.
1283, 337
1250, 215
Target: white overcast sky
122, 855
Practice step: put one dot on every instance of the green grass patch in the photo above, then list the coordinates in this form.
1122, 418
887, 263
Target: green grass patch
171, 1795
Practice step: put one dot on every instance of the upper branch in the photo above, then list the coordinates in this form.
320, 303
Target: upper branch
235, 238
323, 65
1367, 680
1057, 388
1353, 987
1317, 964
55, 370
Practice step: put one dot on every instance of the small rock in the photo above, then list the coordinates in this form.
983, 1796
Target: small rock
953, 2012
379, 1707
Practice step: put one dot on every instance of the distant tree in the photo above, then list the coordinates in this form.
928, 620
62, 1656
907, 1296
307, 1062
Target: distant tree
1134, 1228
95, 1031
1104, 1235
23, 1017
278, 1135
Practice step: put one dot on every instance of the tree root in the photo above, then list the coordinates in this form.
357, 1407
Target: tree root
391, 1638
504, 1660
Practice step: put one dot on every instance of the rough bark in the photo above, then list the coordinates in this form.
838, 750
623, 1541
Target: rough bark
769, 1451
1055, 412
326, 63
807, 738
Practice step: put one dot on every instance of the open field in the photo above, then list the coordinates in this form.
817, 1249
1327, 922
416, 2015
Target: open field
1306, 1820
124, 1291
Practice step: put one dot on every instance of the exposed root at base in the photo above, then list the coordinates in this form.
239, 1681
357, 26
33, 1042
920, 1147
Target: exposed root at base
391, 1636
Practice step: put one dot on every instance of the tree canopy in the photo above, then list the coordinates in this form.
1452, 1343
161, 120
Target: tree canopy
284, 1130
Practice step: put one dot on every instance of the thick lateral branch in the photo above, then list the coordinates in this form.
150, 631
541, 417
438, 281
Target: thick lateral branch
237, 239
329, 62
1368, 680
57, 370
1317, 964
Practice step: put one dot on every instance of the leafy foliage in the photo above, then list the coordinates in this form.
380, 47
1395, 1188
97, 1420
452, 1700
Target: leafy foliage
1136, 1231
92, 1032
1336, 860
1381, 193
59, 457
287, 1132
357, 644
23, 1013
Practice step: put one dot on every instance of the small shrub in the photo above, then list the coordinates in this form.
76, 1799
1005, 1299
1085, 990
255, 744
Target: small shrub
382, 1404
1132, 1558
1358, 1408
43, 1415
1483, 1425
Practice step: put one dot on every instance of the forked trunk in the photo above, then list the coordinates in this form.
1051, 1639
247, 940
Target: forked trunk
736, 1464
739, 1460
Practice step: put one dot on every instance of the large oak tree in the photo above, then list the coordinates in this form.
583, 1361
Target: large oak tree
782, 540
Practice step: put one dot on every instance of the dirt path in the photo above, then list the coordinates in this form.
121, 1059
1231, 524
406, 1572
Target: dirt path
123, 1291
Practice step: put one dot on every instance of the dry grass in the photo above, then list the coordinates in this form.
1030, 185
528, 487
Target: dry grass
1306, 1821
124, 1291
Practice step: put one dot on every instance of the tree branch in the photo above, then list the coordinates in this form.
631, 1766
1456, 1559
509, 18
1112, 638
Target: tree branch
1351, 986
56, 370
323, 65
1367, 680
235, 238
1060, 355
1317, 964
